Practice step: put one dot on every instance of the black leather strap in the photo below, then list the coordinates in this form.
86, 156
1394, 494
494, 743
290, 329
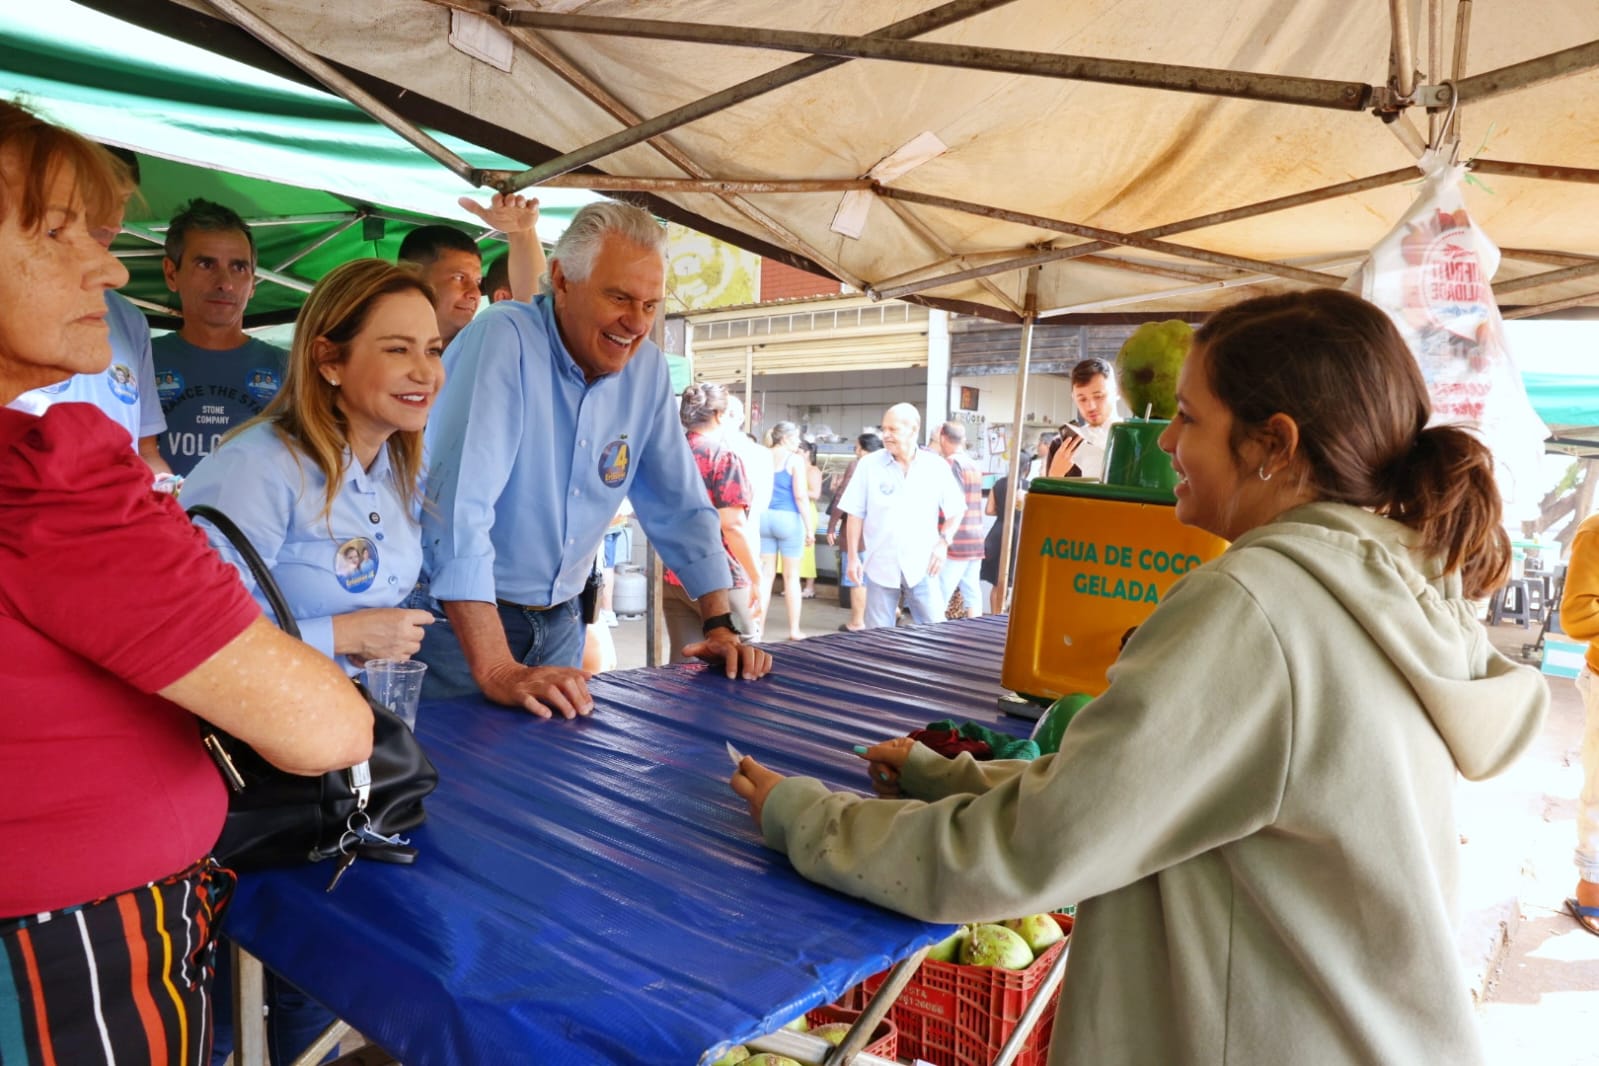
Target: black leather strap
718, 621
252, 559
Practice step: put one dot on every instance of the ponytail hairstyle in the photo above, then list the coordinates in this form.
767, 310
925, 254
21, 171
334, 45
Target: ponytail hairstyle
701, 403
1336, 365
784, 434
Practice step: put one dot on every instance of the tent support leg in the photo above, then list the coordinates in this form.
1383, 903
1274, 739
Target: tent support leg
1007, 529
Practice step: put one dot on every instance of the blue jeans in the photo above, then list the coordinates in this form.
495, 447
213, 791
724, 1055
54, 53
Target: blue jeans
961, 574
882, 603
782, 533
294, 1019
613, 544
552, 637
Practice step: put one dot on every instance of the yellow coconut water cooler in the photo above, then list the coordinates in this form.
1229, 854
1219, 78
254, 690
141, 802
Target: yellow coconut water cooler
1094, 560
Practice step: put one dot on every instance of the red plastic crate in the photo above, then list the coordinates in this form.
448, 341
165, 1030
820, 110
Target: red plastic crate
884, 1042
855, 999
954, 1015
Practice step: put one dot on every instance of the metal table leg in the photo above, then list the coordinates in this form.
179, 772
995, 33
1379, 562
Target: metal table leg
249, 1009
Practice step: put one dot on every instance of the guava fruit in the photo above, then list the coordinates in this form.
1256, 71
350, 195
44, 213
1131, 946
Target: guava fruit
766, 1058
948, 949
1047, 733
734, 1055
994, 945
1039, 930
1147, 366
833, 1032
799, 1025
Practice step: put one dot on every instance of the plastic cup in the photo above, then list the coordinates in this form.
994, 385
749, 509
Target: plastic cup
397, 684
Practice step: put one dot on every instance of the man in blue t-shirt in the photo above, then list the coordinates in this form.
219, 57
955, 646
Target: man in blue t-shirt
210, 374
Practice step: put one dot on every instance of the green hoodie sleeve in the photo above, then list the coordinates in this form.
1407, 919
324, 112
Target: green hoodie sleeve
1187, 750
928, 775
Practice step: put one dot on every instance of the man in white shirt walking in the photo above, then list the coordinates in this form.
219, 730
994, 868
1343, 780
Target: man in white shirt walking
906, 505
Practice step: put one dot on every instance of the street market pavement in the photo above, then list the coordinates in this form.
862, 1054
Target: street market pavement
1540, 993
1533, 971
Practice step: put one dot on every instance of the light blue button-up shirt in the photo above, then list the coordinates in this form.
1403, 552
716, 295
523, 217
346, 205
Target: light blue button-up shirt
125, 390
366, 553
530, 461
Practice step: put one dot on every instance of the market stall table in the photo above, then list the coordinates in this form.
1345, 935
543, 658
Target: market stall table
592, 891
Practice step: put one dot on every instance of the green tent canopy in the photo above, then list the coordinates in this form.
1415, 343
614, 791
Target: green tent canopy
320, 181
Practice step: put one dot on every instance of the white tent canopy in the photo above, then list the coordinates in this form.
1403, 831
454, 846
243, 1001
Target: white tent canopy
1098, 138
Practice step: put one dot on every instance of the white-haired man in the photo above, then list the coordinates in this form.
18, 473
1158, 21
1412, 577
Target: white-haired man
554, 411
905, 505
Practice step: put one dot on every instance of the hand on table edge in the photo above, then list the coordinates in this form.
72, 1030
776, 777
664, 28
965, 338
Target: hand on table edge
542, 691
722, 645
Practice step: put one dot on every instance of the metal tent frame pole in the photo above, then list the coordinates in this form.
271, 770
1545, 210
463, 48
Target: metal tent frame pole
1007, 529
647, 129
322, 71
1096, 233
1278, 88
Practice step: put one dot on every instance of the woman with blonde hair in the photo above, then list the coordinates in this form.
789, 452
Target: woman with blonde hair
118, 626
325, 481
325, 484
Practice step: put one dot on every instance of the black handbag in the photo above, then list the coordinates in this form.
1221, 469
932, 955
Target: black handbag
282, 819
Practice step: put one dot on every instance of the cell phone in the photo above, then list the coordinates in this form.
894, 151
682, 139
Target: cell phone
589, 598
1068, 431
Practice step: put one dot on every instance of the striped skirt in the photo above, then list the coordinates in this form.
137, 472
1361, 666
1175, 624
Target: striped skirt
122, 981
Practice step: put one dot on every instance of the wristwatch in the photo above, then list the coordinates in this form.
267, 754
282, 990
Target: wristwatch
719, 621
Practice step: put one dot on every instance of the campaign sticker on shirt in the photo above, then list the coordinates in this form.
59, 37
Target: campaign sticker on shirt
886, 488
262, 383
355, 564
123, 385
613, 463
168, 383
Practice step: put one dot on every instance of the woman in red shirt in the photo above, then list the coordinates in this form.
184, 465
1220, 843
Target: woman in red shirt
727, 487
119, 625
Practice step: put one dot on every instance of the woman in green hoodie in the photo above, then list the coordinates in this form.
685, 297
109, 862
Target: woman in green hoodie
1257, 815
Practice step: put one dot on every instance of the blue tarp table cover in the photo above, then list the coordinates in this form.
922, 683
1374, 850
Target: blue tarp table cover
593, 892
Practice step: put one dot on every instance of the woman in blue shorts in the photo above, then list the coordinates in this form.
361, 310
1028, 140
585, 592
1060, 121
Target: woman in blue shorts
784, 531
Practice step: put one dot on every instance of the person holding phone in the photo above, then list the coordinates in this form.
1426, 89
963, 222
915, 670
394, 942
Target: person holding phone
1063, 452
1080, 449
